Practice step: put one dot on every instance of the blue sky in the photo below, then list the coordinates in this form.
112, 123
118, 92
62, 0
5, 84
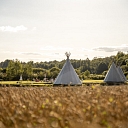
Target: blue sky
43, 30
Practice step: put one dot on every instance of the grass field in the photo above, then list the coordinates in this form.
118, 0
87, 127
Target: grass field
41, 83
93, 81
64, 107
25, 83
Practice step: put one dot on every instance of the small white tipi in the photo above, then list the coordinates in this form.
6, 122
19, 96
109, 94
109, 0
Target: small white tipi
67, 75
113, 75
21, 78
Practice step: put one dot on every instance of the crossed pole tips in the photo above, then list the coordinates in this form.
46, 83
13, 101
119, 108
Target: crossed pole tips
67, 54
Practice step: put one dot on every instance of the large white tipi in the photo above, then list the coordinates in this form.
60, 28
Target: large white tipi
113, 75
67, 75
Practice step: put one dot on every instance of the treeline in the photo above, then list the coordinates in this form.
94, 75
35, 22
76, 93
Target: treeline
86, 69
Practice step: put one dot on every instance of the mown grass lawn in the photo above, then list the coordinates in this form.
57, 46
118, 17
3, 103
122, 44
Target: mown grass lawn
25, 83
41, 83
92, 81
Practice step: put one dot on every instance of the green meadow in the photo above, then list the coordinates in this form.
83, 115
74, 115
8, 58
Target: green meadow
25, 83
33, 83
41, 83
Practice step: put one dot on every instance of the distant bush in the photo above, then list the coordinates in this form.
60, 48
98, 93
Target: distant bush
96, 77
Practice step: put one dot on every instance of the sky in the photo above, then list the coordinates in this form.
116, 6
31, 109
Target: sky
43, 30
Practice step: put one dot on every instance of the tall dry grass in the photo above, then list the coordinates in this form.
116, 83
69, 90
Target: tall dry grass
64, 107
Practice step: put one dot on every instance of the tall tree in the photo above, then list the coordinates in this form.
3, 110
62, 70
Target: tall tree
101, 68
14, 69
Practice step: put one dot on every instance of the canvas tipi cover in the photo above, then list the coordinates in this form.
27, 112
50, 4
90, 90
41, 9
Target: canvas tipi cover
67, 75
121, 73
113, 75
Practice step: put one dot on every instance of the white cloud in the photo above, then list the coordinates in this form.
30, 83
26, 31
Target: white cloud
13, 29
123, 48
53, 48
86, 50
5, 51
31, 54
34, 29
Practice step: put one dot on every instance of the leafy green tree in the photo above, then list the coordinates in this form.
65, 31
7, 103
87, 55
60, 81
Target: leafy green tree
87, 73
54, 69
119, 55
14, 70
48, 74
77, 71
28, 70
54, 72
4, 64
38, 70
101, 68
10, 70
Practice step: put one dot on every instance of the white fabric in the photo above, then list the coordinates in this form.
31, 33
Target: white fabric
113, 75
67, 75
